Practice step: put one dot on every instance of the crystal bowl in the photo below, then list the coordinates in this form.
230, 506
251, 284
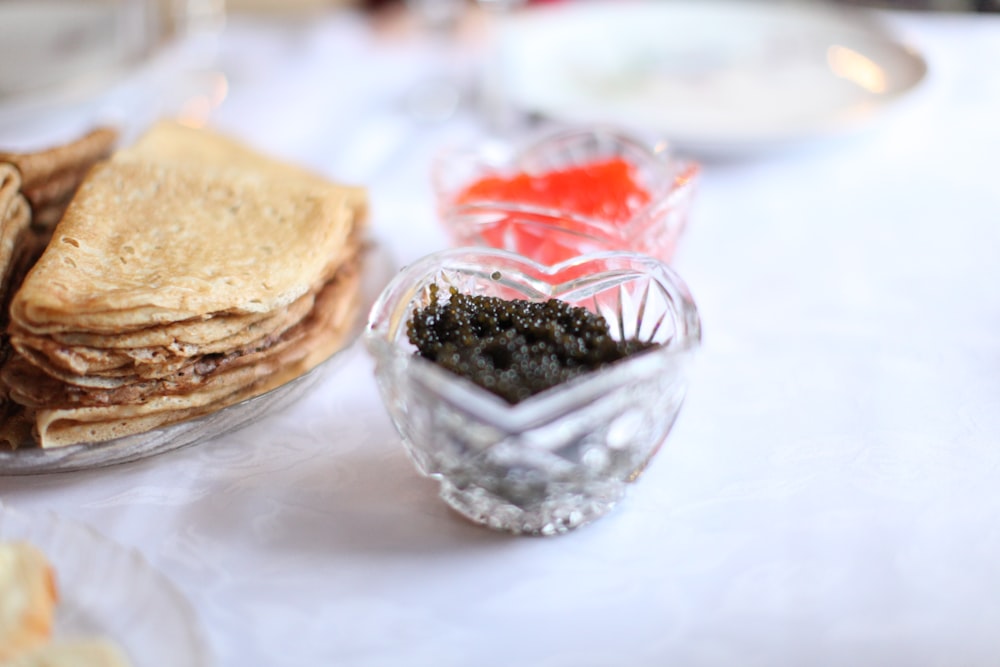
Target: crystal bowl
551, 235
565, 456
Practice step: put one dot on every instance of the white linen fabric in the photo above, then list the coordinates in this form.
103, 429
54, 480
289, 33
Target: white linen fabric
828, 496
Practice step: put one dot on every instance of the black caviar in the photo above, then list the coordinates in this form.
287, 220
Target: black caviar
514, 348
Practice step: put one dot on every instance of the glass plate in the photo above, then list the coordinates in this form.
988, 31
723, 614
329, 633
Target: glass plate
379, 268
714, 77
106, 590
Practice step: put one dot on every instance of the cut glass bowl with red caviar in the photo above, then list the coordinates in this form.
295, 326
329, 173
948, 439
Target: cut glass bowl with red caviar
562, 457
566, 194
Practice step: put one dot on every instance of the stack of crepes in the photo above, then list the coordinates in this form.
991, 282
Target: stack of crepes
187, 274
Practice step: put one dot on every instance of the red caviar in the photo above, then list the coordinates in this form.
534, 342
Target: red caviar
605, 191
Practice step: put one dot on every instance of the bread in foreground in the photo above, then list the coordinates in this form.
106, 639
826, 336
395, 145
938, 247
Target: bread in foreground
27, 599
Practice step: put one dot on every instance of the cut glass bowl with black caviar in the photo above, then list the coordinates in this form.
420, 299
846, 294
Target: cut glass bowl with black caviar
566, 193
562, 457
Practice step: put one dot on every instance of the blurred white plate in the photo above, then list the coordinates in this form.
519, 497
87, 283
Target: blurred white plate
58, 42
68, 65
713, 76
108, 591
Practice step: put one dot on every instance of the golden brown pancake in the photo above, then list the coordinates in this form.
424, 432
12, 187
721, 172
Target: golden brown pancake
17, 248
67, 361
322, 334
53, 387
13, 214
171, 142
57, 188
10, 185
38, 168
43, 390
187, 274
168, 142
211, 242
14, 228
201, 333
16, 245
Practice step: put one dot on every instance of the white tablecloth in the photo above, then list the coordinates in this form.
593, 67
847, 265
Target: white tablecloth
829, 495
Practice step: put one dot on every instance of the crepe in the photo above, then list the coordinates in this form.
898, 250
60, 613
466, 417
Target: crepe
322, 335
50, 177
37, 168
84, 365
18, 248
13, 218
335, 304
210, 242
28, 244
34, 191
10, 185
15, 241
187, 274
168, 141
219, 330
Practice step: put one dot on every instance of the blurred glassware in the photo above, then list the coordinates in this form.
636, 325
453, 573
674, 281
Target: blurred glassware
561, 458
437, 97
55, 42
496, 109
919, 5
451, 85
68, 65
717, 78
549, 233
284, 7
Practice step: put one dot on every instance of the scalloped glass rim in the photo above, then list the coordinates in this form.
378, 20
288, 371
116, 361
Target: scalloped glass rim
107, 590
675, 179
390, 312
379, 267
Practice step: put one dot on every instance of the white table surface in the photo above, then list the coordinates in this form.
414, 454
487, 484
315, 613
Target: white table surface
829, 495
